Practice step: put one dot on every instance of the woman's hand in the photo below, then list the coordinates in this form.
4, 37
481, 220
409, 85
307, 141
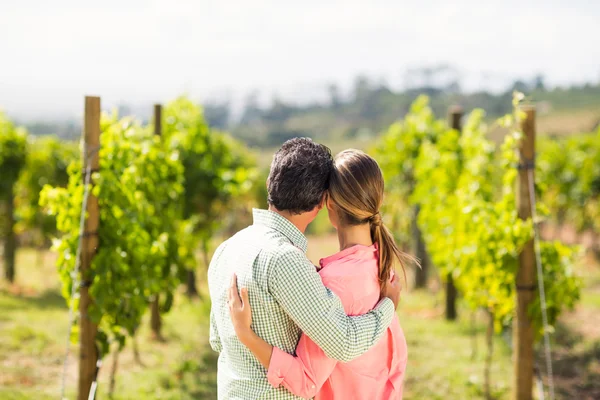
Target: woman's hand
393, 289
239, 310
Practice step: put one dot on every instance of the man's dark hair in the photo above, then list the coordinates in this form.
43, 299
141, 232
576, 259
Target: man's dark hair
299, 175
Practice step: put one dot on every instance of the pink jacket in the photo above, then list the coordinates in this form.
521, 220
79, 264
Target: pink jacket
351, 274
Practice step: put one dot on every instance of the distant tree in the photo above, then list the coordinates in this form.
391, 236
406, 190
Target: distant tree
433, 79
63, 129
520, 86
124, 110
277, 137
217, 114
252, 111
374, 103
362, 87
453, 87
370, 104
279, 111
335, 100
539, 82
427, 73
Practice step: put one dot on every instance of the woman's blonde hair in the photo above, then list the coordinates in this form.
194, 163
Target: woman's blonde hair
356, 188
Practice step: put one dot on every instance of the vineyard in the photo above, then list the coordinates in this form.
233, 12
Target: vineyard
134, 211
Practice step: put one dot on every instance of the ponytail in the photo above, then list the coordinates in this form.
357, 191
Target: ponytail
387, 249
356, 188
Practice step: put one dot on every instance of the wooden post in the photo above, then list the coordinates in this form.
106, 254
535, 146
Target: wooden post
155, 321
10, 240
192, 290
158, 119
422, 273
88, 353
454, 115
525, 280
487, 374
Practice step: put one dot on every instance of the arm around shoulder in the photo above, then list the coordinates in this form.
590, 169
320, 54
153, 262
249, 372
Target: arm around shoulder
318, 312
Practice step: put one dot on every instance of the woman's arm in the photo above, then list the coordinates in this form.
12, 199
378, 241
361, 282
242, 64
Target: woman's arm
302, 375
261, 349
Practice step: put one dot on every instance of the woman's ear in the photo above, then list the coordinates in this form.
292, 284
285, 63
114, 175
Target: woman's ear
323, 201
329, 203
331, 212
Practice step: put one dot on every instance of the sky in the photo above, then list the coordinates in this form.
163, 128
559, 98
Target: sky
52, 53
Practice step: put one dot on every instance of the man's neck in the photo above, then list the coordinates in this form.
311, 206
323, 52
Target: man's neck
298, 220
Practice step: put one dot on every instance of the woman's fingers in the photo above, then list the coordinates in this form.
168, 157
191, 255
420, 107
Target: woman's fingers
234, 297
245, 300
239, 307
233, 282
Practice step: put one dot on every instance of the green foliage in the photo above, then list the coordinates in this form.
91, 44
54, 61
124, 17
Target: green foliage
569, 169
396, 152
561, 285
217, 168
47, 164
139, 187
259, 189
13, 155
158, 196
399, 147
465, 188
471, 232
320, 225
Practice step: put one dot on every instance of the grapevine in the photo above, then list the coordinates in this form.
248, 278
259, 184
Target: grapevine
465, 186
569, 169
13, 157
139, 186
47, 164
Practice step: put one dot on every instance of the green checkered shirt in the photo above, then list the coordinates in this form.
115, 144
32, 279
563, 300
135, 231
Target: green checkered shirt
287, 298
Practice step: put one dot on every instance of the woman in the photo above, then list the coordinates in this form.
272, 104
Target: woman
356, 274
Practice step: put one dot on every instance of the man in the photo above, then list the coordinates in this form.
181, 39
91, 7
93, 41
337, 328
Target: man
286, 293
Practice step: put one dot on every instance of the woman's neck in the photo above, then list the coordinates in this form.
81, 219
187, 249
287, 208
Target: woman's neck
349, 236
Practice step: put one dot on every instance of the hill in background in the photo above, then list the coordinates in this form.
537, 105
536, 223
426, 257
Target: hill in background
369, 107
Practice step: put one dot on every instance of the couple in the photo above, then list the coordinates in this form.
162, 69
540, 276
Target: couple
300, 331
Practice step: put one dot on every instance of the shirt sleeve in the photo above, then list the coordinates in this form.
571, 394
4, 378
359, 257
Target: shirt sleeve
297, 287
214, 339
304, 374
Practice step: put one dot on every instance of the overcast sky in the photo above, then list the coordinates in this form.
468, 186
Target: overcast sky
142, 51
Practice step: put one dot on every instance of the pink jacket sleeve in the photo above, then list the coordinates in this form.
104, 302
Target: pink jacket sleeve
304, 374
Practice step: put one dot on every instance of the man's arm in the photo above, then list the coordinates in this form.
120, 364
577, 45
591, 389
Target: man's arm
296, 285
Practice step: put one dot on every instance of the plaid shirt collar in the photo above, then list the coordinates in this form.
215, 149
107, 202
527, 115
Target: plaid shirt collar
272, 220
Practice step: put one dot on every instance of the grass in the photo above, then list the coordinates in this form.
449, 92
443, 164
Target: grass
445, 358
34, 325
566, 122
